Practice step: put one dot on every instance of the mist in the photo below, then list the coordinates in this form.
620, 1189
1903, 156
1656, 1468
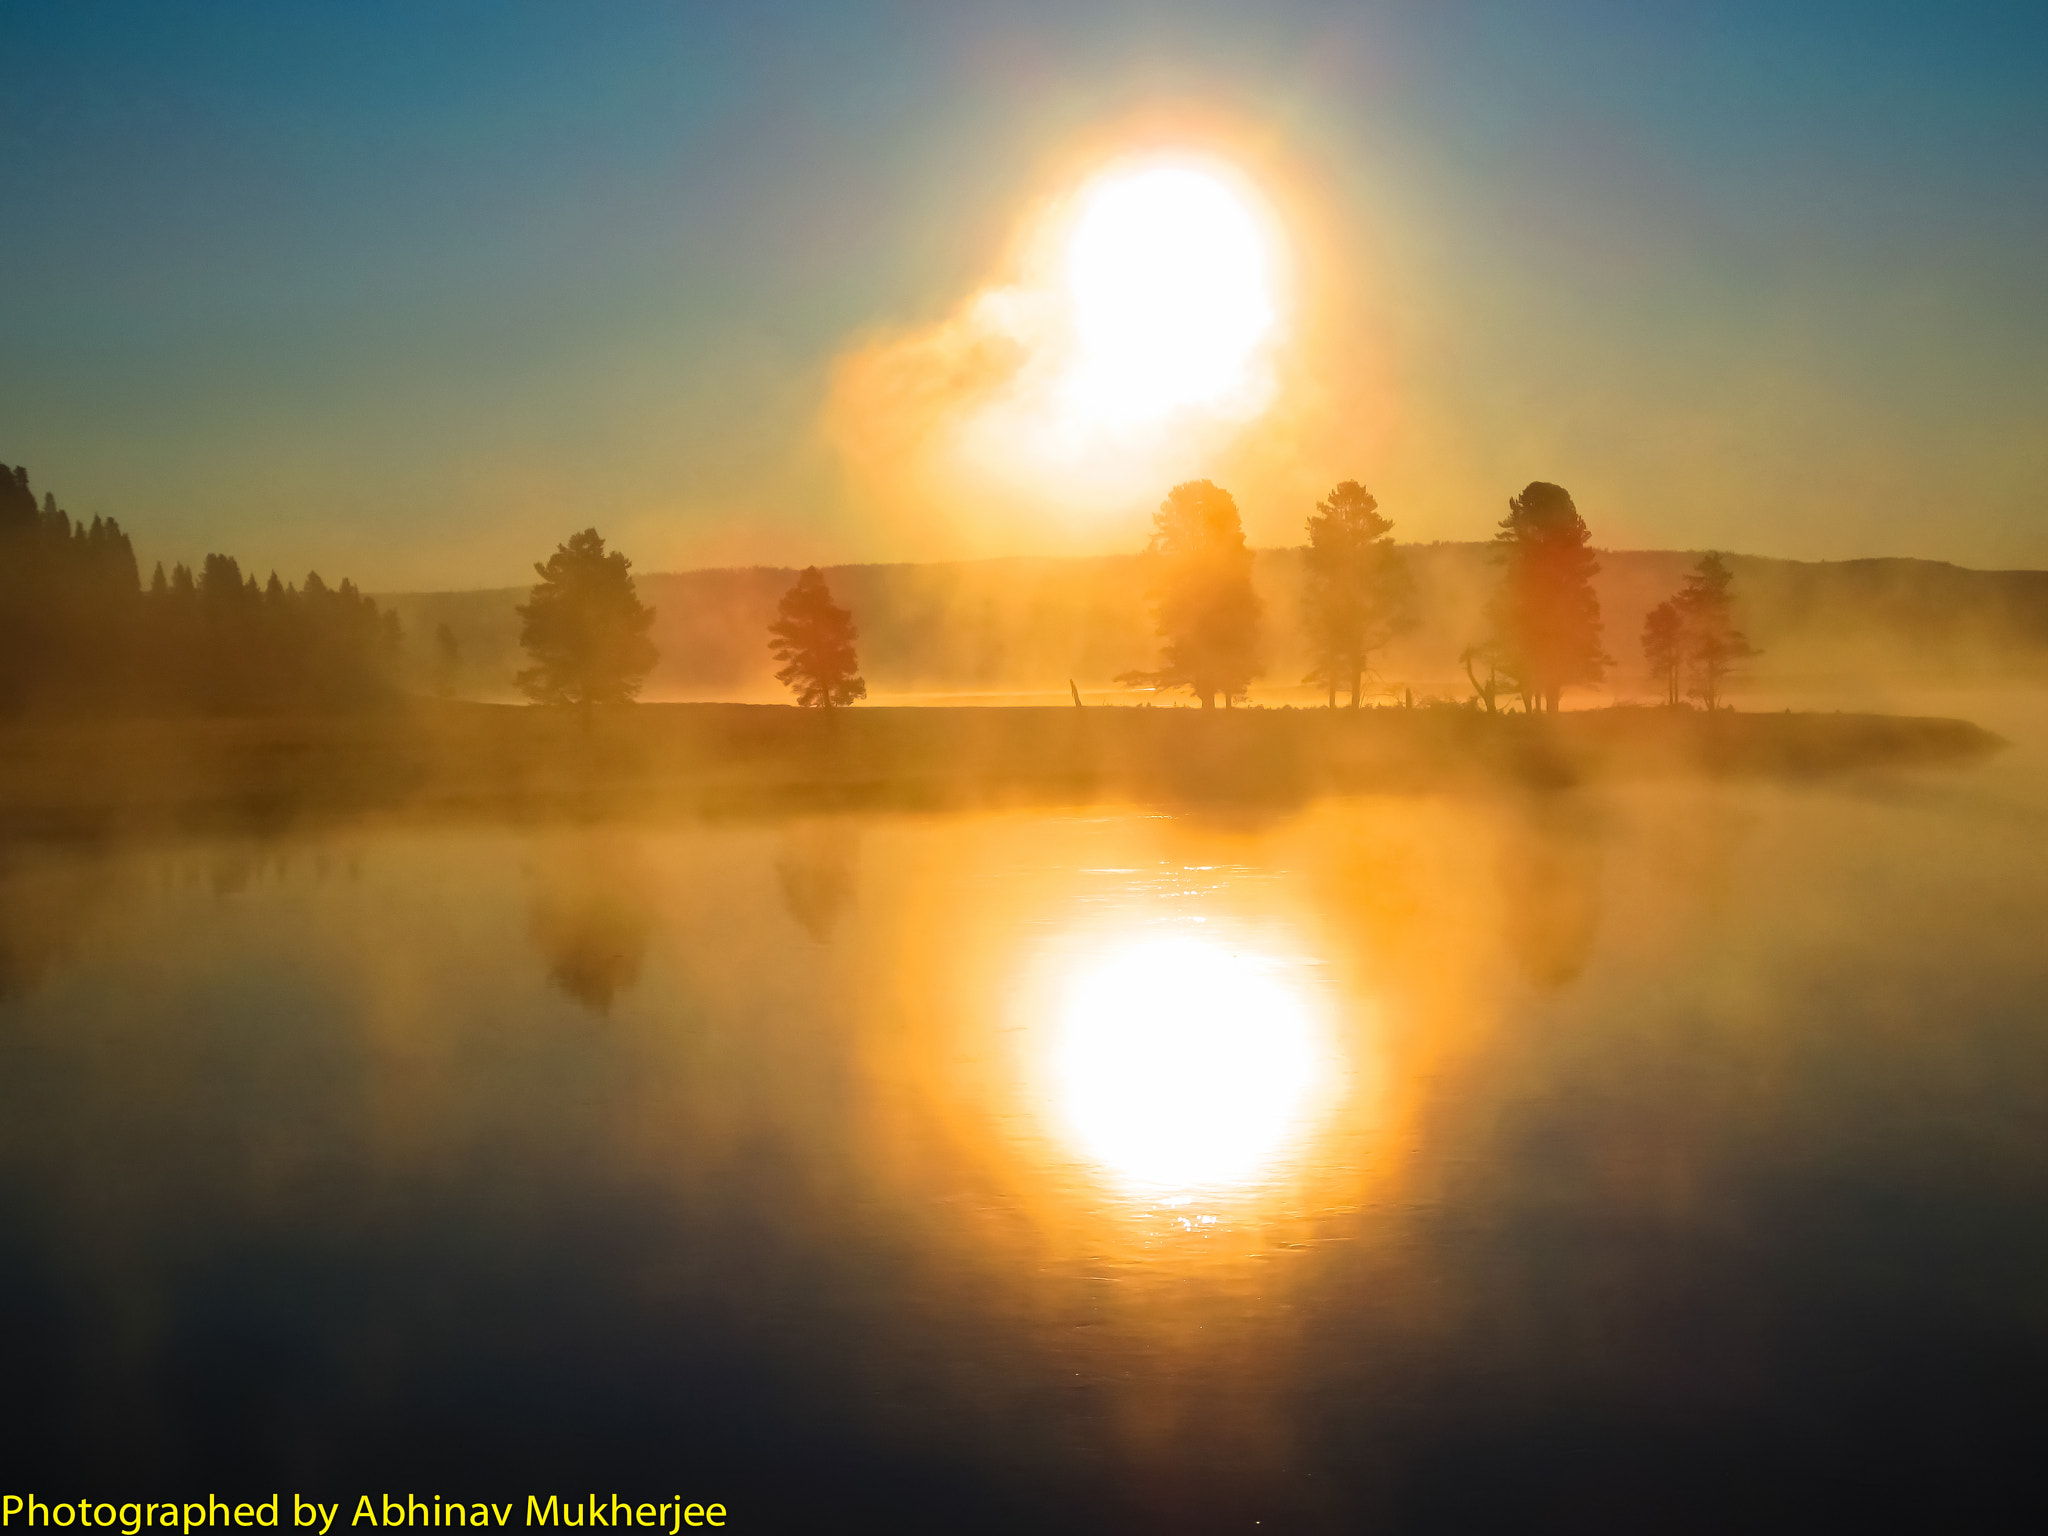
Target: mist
1000, 769
1020, 628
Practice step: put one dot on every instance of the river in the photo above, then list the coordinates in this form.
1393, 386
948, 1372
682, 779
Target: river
1663, 1156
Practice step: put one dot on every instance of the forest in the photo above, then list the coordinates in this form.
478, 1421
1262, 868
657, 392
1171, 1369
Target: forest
80, 633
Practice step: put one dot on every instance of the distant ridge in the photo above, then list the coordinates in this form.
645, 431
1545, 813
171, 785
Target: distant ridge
1028, 623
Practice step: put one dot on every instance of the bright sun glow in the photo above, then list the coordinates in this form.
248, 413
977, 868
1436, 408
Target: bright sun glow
1169, 273
1183, 1065
1145, 325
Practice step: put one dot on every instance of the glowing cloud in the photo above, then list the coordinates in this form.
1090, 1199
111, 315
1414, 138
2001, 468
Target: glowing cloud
1139, 339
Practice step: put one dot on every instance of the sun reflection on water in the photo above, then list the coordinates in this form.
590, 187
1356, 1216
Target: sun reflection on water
1186, 1064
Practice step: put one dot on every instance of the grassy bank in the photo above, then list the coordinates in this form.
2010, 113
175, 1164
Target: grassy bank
486, 760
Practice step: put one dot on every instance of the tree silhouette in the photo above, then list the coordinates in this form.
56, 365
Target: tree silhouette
1203, 606
1546, 616
1712, 643
69, 595
1664, 647
585, 627
1488, 692
813, 638
1358, 596
20, 548
80, 634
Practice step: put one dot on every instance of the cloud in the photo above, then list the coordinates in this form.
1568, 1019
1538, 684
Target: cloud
1138, 333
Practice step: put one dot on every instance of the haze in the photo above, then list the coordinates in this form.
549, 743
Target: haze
1118, 768
409, 291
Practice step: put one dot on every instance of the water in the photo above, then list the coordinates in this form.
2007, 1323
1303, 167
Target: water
1659, 1157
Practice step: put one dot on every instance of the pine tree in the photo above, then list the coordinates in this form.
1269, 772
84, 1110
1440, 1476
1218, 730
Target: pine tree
814, 639
20, 544
1712, 643
1357, 594
585, 627
1546, 616
1664, 648
1203, 606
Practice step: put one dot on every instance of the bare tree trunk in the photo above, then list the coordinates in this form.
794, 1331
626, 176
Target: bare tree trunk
1492, 682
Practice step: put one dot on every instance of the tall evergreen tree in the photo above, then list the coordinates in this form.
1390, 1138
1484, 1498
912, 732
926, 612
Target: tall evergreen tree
20, 544
1357, 596
814, 640
1546, 616
68, 605
585, 627
1664, 648
1203, 606
1712, 644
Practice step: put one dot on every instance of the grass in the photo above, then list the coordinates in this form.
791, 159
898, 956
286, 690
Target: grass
482, 760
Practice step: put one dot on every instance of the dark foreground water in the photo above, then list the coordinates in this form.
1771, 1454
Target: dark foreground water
1664, 1158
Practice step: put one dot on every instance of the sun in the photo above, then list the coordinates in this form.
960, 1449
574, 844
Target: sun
1148, 317
1184, 1065
1169, 275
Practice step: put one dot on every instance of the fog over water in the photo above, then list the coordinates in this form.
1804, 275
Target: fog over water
1622, 1156
1018, 630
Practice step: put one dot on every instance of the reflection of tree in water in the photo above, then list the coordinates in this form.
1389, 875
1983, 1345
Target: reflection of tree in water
816, 871
1550, 868
48, 898
1693, 853
57, 896
238, 867
592, 913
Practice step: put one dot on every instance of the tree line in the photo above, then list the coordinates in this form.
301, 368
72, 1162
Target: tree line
1543, 626
80, 633
588, 632
585, 628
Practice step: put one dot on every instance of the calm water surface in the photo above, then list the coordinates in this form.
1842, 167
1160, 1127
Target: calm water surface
1663, 1157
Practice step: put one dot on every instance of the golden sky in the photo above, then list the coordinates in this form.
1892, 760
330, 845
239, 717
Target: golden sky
397, 292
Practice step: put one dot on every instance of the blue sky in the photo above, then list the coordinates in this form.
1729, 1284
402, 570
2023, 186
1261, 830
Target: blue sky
410, 291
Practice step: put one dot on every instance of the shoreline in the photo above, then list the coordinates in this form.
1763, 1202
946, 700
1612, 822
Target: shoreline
493, 761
